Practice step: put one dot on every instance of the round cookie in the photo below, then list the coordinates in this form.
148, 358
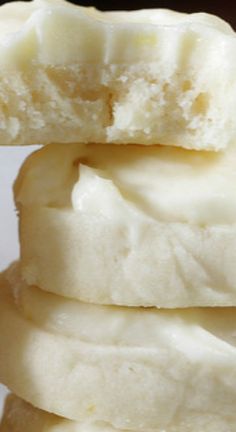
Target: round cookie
136, 369
142, 77
134, 226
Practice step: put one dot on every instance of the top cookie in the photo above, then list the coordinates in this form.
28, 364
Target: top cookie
74, 74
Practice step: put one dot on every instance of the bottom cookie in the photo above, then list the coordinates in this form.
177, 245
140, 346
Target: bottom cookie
20, 416
137, 369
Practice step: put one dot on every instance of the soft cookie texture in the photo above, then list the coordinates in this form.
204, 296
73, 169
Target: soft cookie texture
136, 369
136, 226
72, 74
19, 416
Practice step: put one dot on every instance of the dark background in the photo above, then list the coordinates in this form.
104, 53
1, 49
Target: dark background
224, 9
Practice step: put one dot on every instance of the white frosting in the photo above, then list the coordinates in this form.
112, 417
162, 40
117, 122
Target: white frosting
164, 184
52, 31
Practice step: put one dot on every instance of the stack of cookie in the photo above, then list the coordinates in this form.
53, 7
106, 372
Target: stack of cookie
120, 314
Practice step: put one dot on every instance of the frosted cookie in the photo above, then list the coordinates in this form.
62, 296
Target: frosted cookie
19, 416
148, 226
134, 368
71, 74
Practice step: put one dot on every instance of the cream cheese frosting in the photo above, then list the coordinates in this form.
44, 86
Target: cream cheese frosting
93, 36
183, 363
160, 183
74, 74
130, 225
